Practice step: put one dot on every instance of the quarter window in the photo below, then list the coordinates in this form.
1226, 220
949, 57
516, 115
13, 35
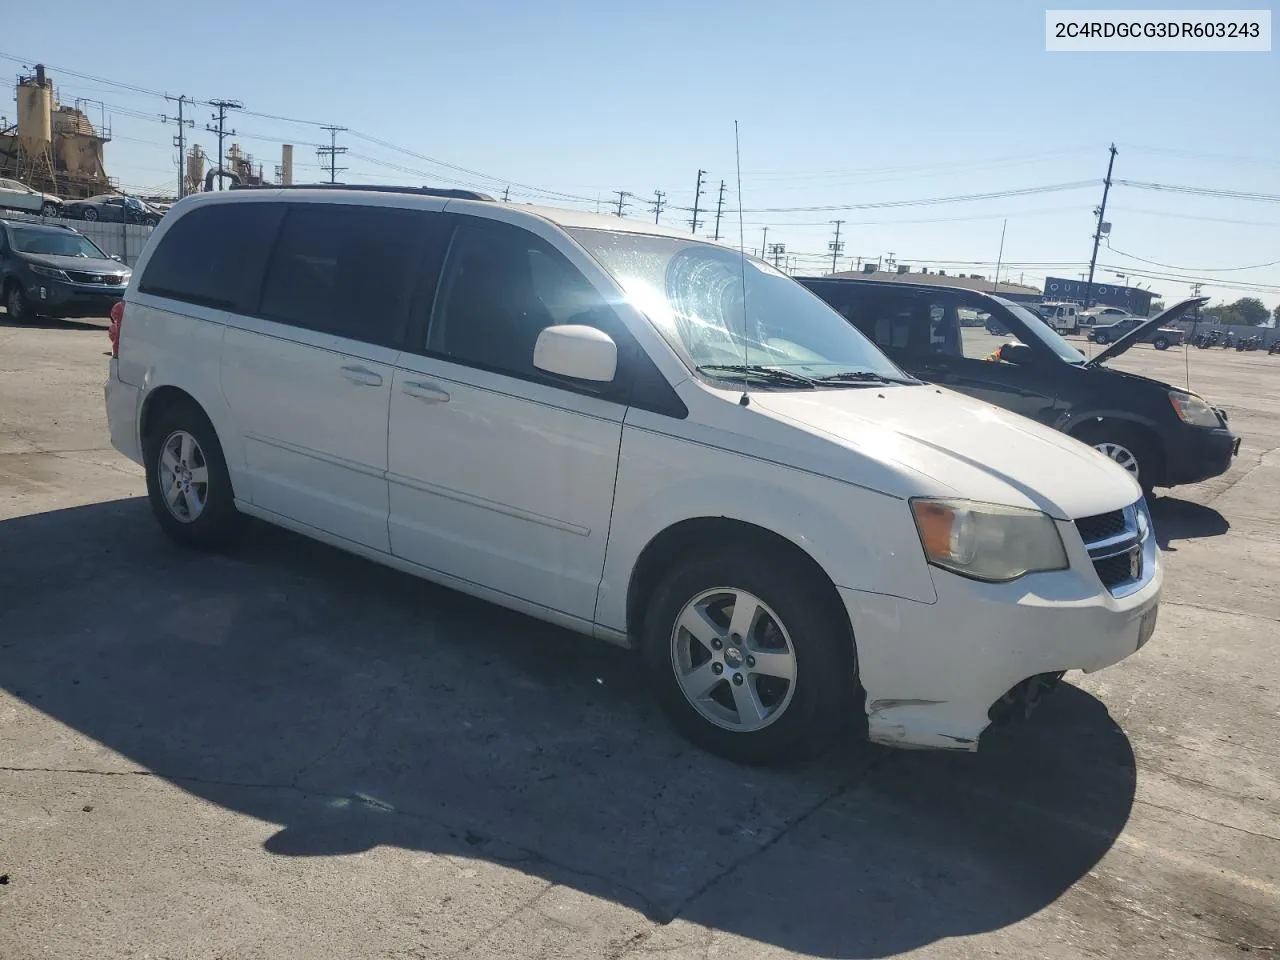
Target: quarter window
214, 255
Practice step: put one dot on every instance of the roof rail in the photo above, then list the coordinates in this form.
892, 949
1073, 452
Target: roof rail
370, 187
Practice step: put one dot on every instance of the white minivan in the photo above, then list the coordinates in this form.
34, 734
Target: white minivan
638, 435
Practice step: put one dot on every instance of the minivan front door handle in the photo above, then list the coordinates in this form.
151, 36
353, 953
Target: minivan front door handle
363, 376
426, 392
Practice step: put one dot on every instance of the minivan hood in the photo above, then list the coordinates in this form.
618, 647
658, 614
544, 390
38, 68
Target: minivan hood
963, 447
1142, 329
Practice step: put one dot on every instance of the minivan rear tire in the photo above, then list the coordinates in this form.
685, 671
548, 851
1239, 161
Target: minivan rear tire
217, 521
797, 616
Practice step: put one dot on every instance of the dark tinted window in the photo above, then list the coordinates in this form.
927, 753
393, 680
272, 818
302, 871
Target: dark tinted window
346, 270
502, 286
214, 256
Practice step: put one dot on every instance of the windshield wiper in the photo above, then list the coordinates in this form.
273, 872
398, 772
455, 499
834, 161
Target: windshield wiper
774, 376
860, 376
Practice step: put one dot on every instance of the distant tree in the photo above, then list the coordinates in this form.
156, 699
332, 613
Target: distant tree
1251, 311
1275, 316
1247, 311
1156, 307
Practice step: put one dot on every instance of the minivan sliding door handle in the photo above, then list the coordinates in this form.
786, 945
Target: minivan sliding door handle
426, 392
363, 376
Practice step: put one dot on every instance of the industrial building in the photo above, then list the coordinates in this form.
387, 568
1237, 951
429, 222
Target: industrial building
52, 147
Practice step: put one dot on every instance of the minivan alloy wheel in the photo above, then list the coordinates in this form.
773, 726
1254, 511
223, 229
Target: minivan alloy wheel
733, 659
184, 476
16, 304
1120, 454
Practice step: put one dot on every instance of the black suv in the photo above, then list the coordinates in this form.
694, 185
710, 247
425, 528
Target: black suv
1160, 433
56, 272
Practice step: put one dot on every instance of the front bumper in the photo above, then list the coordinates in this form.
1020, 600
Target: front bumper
933, 671
59, 298
1198, 454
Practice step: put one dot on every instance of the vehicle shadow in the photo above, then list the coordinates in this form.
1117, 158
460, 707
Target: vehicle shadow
51, 323
1176, 519
357, 707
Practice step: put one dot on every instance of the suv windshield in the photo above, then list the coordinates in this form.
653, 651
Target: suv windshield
693, 293
53, 243
1042, 332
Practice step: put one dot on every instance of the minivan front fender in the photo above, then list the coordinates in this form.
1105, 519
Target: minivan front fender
860, 538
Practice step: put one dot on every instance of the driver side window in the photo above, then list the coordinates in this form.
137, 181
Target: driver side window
501, 287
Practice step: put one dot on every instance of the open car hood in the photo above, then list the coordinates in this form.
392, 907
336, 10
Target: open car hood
1142, 329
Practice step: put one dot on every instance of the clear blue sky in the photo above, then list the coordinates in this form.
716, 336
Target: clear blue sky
840, 103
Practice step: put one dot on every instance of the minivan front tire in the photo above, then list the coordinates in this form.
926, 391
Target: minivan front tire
188, 484
750, 657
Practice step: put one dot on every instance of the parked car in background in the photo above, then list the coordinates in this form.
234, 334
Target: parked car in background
15, 195
552, 410
53, 271
112, 208
1160, 336
1161, 434
1096, 315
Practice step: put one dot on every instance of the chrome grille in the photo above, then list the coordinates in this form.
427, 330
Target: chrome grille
1121, 547
101, 279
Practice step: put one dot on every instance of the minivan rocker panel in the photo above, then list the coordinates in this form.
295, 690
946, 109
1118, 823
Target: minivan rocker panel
766, 532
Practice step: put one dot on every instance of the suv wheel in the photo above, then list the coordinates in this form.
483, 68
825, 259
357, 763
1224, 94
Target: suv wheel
750, 659
15, 302
188, 485
1161, 343
1128, 449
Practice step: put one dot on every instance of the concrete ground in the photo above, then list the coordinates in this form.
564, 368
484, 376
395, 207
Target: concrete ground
287, 752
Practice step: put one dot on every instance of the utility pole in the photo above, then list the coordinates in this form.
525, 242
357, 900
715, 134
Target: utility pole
764, 244
719, 210
835, 246
776, 250
658, 204
697, 199
1097, 236
506, 194
332, 151
622, 200
180, 141
221, 129
1000, 256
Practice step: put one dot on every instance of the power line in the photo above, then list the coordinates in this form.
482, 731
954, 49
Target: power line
1201, 191
1157, 263
927, 201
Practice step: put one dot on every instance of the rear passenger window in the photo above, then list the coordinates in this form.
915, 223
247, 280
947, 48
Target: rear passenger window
214, 255
344, 269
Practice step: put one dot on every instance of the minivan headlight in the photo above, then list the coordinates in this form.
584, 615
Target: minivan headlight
988, 541
52, 272
1193, 410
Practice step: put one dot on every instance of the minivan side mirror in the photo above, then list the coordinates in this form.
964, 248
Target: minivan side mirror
577, 352
1017, 353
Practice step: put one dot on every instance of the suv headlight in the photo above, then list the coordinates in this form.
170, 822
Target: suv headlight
1193, 410
53, 272
988, 541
